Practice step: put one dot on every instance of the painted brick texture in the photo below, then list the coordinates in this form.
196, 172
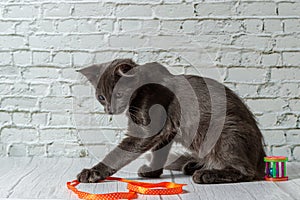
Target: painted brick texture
47, 109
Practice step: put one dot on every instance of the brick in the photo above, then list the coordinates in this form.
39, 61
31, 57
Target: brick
189, 26
98, 137
228, 58
292, 25
85, 25
75, 150
22, 58
70, 74
10, 135
62, 58
12, 42
17, 150
50, 41
247, 90
256, 9
283, 74
5, 118
267, 120
174, 11
41, 73
2, 146
93, 9
288, 8
246, 41
133, 11
87, 105
40, 58
39, 119
29, 90
130, 25
10, 71
88, 42
43, 26
37, 150
51, 135
293, 136
60, 89
7, 27
55, 149
282, 151
22, 103
58, 119
246, 75
21, 11
266, 105
290, 90
129, 42
269, 90
105, 25
253, 25
288, 42
24, 27
294, 105
274, 137
273, 25
291, 58
296, 153
68, 25
59, 104
168, 41
57, 10
270, 59
5, 89
21, 118
5, 58
82, 90
214, 73
39, 89
220, 26
251, 59
287, 120
214, 9
82, 58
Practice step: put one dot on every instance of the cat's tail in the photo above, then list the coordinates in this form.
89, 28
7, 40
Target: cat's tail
177, 161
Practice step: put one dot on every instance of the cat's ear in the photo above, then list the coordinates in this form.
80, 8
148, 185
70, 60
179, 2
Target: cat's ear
125, 69
92, 73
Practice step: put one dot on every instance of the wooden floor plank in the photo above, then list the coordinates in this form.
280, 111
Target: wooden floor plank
20, 170
45, 178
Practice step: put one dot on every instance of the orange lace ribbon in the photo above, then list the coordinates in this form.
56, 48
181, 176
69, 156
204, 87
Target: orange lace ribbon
134, 187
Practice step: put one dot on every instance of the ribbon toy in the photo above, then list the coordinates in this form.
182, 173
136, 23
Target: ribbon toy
134, 187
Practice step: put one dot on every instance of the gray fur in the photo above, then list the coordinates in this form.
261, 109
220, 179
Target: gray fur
223, 141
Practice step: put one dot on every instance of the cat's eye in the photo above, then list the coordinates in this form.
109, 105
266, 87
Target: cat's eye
101, 97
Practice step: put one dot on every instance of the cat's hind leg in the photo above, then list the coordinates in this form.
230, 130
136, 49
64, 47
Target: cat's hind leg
226, 175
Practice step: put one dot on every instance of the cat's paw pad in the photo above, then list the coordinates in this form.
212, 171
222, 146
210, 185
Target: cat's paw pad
146, 171
90, 176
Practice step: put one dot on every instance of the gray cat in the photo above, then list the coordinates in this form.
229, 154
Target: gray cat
219, 132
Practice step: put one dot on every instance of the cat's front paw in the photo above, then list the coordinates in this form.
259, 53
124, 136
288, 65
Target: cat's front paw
146, 171
90, 176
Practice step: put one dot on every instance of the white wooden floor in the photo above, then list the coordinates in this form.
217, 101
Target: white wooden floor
45, 178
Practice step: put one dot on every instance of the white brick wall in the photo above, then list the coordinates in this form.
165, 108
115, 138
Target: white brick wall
47, 109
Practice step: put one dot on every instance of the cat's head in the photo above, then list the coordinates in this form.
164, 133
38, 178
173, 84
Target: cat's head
104, 78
